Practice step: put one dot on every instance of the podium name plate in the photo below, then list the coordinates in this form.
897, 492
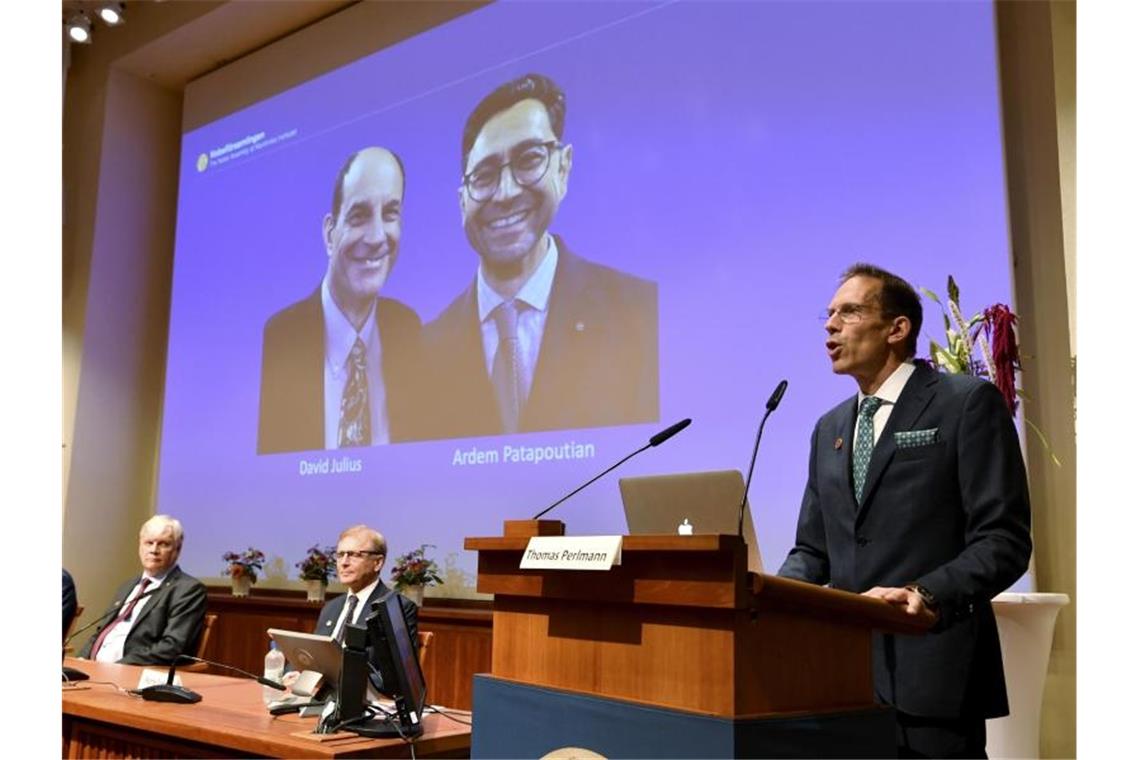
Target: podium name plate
571, 553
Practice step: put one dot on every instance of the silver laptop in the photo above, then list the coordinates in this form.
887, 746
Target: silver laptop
310, 651
705, 502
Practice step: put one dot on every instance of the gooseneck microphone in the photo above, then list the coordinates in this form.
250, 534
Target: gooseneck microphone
656, 440
773, 402
168, 692
668, 433
112, 610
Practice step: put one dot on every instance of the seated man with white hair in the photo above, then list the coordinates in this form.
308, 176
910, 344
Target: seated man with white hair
160, 613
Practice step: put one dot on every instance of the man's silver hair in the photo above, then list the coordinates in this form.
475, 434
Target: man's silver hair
160, 523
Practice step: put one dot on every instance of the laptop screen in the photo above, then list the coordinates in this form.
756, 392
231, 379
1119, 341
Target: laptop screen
705, 502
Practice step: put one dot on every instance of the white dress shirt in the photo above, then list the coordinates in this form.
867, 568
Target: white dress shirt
356, 613
112, 648
340, 336
889, 392
535, 293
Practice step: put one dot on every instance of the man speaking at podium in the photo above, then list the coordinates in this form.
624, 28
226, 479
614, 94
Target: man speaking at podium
916, 495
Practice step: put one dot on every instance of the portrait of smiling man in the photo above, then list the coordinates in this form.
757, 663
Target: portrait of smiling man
339, 368
541, 338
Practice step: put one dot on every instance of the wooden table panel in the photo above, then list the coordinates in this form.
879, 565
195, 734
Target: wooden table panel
100, 720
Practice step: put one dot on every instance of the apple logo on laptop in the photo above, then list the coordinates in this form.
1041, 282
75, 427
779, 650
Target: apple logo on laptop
685, 528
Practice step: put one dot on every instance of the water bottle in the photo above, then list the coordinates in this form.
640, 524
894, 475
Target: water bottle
274, 671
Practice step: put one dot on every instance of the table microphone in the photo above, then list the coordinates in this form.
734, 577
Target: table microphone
110, 611
168, 692
773, 402
73, 674
656, 440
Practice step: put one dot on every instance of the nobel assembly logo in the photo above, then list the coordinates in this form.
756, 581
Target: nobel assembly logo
242, 148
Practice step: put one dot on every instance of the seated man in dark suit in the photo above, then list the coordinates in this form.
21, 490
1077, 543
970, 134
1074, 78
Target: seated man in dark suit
339, 368
916, 495
160, 614
360, 554
541, 339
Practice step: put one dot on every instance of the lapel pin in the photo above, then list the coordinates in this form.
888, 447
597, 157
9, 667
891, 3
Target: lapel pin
838, 444
580, 326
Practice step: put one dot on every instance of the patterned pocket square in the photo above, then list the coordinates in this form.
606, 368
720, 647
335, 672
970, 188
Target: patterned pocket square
910, 439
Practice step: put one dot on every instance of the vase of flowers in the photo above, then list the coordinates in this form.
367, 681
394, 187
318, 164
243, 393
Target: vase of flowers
242, 569
316, 568
984, 346
412, 572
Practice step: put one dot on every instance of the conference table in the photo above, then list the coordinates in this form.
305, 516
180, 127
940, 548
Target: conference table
101, 720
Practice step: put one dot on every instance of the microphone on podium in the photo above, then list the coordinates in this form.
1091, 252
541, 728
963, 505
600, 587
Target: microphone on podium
656, 440
773, 402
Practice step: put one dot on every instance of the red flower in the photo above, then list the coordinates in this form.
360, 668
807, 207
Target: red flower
998, 322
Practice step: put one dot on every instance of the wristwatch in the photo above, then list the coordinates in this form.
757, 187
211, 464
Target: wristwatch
927, 597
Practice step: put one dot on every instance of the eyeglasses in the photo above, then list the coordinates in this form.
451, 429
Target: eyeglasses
353, 555
848, 313
528, 166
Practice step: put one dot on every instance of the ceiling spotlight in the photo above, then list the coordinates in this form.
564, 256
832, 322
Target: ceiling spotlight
79, 28
111, 13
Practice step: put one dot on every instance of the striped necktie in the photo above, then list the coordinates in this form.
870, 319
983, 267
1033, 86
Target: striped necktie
124, 615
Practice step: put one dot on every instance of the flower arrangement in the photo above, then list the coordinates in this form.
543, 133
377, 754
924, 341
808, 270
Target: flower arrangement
989, 333
414, 569
318, 564
245, 564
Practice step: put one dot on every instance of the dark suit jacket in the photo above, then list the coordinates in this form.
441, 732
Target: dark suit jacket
292, 407
326, 622
952, 516
597, 365
70, 603
168, 625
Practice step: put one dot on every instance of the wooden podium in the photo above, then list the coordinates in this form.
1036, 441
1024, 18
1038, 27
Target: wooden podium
681, 626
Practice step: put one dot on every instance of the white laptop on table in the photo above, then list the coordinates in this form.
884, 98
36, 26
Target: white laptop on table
707, 502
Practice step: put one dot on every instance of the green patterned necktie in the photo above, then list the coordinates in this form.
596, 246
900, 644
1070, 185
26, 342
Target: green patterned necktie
864, 443
355, 414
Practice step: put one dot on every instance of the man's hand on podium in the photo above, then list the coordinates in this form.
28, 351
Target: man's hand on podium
909, 599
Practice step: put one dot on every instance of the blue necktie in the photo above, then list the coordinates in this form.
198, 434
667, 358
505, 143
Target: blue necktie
864, 443
506, 371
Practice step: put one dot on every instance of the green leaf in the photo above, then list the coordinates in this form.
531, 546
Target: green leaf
952, 288
1044, 442
946, 359
931, 295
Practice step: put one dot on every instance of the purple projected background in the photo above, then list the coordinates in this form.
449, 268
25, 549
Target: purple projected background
740, 155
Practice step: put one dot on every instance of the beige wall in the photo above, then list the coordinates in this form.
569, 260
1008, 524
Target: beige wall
120, 157
1037, 45
122, 123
